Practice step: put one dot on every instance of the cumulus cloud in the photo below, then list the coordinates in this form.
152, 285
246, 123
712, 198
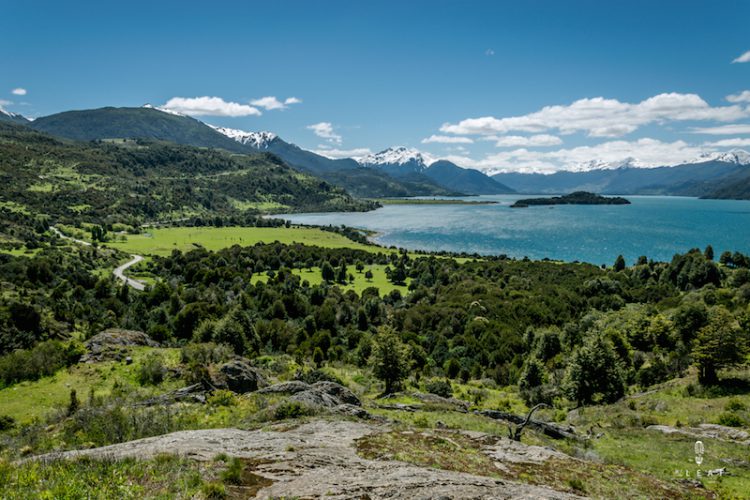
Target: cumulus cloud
18, 91
489, 52
335, 154
743, 58
645, 152
270, 102
600, 117
515, 141
209, 106
738, 128
4, 102
447, 139
735, 142
743, 96
325, 131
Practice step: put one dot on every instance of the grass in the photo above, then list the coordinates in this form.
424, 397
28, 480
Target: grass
35, 399
162, 477
458, 452
379, 279
163, 241
15, 207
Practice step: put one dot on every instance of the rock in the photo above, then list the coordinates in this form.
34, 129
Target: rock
704, 431
320, 394
292, 387
112, 344
318, 459
338, 391
238, 376
128, 360
352, 411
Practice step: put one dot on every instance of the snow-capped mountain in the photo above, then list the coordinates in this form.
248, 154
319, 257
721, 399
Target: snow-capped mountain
735, 156
9, 116
258, 140
399, 155
606, 165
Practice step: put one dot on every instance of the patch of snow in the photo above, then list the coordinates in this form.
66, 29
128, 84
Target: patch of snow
397, 156
163, 110
735, 156
258, 140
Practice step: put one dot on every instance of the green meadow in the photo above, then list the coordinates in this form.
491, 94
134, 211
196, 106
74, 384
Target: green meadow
163, 241
360, 283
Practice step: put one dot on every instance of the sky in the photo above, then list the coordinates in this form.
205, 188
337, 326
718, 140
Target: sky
498, 86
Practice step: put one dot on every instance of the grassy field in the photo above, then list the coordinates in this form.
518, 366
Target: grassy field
379, 280
163, 241
35, 399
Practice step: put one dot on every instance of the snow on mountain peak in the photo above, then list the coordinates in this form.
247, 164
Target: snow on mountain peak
399, 155
735, 156
258, 140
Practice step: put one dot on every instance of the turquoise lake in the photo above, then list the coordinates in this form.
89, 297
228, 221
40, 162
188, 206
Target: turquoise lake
655, 226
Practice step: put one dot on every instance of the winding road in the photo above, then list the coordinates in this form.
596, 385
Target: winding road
120, 271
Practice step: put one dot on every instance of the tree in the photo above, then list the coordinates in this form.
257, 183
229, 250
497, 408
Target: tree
709, 252
619, 263
720, 343
341, 273
389, 359
368, 275
360, 266
594, 374
398, 274
327, 272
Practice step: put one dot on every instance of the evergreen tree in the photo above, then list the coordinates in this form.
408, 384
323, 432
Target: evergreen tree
619, 263
327, 272
720, 343
389, 359
594, 374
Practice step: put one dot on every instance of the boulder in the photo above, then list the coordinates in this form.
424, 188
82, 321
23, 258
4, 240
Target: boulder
338, 391
238, 376
320, 394
113, 344
292, 387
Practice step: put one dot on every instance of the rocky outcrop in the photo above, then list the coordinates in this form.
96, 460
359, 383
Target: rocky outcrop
706, 431
319, 460
238, 376
320, 394
114, 344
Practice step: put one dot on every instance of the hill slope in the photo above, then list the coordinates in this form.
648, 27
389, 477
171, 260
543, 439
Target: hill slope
131, 123
146, 180
465, 180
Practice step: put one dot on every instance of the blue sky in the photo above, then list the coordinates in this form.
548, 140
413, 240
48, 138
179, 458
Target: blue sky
376, 74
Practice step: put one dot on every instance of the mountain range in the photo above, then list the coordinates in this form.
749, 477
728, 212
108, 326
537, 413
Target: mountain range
401, 171
716, 175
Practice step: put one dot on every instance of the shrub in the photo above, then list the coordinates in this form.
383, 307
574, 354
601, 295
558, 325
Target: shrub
214, 491
152, 370
7, 422
42, 360
292, 409
222, 397
730, 420
233, 473
735, 404
317, 375
440, 388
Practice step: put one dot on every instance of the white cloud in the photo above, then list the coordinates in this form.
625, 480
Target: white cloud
270, 102
325, 131
209, 106
739, 128
735, 142
743, 58
447, 139
4, 102
743, 96
514, 141
18, 91
489, 52
342, 153
601, 117
647, 152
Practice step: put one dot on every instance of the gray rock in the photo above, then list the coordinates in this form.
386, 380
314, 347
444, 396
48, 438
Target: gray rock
292, 387
113, 344
319, 460
238, 376
338, 391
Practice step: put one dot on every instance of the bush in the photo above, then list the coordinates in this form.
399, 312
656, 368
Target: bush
730, 420
222, 397
441, 388
42, 360
233, 473
152, 370
317, 375
214, 491
735, 404
7, 422
292, 409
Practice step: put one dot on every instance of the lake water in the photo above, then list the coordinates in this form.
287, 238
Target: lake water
655, 226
